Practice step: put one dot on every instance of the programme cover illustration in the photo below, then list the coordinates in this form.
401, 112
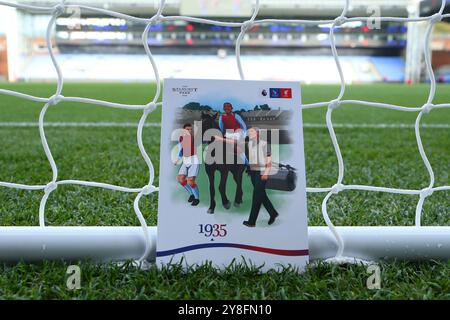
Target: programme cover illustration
232, 178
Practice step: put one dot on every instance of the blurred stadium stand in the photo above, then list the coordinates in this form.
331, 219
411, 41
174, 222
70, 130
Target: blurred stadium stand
308, 69
95, 47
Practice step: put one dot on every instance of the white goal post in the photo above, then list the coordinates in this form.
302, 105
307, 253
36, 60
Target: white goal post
139, 243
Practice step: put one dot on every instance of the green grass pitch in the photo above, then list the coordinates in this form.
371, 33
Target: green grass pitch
373, 156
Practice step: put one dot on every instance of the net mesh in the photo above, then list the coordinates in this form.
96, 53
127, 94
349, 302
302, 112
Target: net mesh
57, 97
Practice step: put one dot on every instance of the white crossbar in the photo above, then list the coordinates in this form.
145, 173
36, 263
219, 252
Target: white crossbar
104, 244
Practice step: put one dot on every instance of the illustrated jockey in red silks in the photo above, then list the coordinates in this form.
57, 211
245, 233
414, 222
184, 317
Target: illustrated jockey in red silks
233, 126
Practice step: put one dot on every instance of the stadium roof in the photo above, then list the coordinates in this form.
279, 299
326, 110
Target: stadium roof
268, 7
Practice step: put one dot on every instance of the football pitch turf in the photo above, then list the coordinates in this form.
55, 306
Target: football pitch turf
378, 146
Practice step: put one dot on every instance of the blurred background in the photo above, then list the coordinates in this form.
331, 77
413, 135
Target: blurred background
93, 47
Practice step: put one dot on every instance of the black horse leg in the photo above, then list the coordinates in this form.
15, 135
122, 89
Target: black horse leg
222, 188
237, 176
212, 190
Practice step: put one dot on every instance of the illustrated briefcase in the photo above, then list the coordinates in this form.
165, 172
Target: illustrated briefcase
284, 180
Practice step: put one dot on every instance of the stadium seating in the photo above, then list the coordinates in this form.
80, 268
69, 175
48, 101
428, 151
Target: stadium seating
308, 69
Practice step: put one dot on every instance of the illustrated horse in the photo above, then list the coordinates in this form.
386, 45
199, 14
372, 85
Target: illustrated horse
223, 165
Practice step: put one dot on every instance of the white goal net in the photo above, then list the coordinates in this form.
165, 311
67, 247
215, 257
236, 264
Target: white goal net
339, 235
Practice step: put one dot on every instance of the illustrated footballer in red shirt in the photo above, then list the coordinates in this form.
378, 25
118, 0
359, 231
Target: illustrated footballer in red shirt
190, 164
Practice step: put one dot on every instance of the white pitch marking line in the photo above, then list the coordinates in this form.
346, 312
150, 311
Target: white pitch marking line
378, 125
157, 124
78, 124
